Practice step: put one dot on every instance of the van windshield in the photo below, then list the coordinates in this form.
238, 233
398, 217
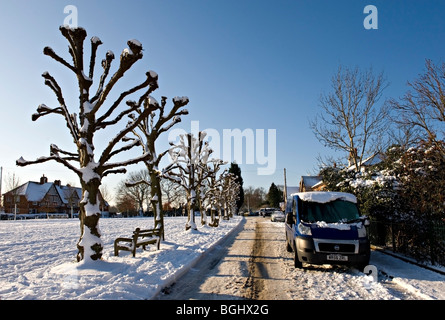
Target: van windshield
330, 212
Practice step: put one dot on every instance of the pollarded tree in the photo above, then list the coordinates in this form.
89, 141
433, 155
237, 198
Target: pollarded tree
147, 132
229, 194
211, 194
208, 189
189, 157
93, 115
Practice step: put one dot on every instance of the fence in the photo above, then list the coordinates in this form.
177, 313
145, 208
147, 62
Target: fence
25, 216
422, 241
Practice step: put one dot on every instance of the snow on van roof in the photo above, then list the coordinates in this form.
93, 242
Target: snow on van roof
325, 196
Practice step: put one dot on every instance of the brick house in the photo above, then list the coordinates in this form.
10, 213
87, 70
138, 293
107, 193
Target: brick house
45, 197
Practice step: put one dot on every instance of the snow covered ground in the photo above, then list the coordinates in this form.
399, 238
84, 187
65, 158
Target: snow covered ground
422, 283
37, 262
37, 259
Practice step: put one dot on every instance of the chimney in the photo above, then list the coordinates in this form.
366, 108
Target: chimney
43, 179
57, 182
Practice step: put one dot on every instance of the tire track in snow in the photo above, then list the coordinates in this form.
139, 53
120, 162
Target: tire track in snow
266, 280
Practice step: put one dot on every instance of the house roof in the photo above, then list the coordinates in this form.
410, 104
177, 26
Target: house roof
35, 192
66, 191
376, 158
310, 181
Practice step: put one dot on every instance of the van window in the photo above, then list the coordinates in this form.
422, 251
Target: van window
331, 212
294, 212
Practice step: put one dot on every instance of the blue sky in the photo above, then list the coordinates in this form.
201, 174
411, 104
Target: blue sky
246, 64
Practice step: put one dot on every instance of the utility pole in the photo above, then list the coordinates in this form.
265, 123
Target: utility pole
285, 188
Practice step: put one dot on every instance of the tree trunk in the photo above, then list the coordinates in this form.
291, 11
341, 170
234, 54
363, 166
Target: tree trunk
191, 211
202, 210
90, 245
156, 200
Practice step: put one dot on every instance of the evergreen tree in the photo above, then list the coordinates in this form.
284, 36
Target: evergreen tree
236, 170
274, 196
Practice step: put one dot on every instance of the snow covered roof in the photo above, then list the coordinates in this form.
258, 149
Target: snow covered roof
370, 161
325, 196
65, 192
35, 191
310, 181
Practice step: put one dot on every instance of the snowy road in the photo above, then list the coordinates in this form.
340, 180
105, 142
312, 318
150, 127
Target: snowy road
253, 264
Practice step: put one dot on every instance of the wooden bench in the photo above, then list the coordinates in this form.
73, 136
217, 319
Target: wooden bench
141, 238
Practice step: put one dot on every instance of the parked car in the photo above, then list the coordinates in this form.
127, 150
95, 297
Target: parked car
254, 213
265, 212
277, 216
326, 228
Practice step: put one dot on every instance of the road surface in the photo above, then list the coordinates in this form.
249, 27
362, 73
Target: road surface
254, 264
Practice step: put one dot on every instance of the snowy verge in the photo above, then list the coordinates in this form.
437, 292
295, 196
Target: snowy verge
423, 283
179, 273
38, 259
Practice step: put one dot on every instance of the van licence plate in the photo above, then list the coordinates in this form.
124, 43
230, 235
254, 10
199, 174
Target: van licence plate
337, 257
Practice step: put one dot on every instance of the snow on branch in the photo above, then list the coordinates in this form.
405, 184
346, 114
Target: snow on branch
55, 151
106, 65
127, 59
22, 162
95, 43
43, 110
50, 52
151, 82
108, 153
109, 166
127, 147
131, 183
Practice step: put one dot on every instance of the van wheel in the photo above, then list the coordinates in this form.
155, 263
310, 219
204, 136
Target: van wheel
297, 263
288, 246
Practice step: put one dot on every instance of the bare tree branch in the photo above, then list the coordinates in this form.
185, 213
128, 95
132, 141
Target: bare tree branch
50, 52
22, 162
151, 81
95, 43
351, 120
423, 106
127, 59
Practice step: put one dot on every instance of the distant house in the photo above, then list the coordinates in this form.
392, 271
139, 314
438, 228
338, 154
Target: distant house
311, 183
45, 197
376, 158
